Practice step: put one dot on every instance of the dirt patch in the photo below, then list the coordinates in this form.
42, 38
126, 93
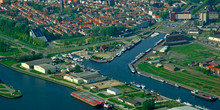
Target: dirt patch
105, 84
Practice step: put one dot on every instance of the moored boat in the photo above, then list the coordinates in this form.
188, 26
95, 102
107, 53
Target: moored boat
203, 95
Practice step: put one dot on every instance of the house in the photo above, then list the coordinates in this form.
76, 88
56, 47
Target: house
114, 91
170, 67
30, 64
45, 68
103, 48
154, 61
133, 103
37, 33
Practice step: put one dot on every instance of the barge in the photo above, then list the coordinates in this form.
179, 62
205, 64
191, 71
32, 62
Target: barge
203, 95
131, 68
87, 98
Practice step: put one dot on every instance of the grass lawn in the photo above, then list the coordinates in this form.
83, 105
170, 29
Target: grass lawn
1, 86
103, 95
8, 62
25, 50
34, 71
4, 90
199, 81
127, 89
13, 51
194, 53
168, 104
138, 94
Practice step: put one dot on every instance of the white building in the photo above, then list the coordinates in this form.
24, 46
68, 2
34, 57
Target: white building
73, 79
215, 38
44, 68
30, 64
114, 91
164, 49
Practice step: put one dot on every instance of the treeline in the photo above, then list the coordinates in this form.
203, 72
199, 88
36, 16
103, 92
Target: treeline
205, 3
4, 47
19, 31
24, 58
109, 30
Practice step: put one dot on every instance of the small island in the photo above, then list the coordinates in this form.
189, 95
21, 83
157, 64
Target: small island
8, 92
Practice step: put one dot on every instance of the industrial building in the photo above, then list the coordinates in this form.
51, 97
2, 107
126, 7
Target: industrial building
180, 16
45, 68
90, 77
215, 38
133, 103
170, 67
175, 39
164, 49
30, 64
73, 79
114, 91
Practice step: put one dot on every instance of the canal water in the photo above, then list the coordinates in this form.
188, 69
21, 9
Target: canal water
41, 94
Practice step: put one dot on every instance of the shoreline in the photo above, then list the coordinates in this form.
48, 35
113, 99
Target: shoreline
37, 76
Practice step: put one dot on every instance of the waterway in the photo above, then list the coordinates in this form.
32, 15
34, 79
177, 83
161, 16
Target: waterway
41, 94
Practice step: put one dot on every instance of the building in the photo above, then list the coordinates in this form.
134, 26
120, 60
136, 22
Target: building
164, 49
4, 1
175, 39
180, 16
203, 16
73, 79
114, 91
170, 67
154, 61
45, 68
122, 99
37, 33
215, 38
30, 64
90, 77
133, 103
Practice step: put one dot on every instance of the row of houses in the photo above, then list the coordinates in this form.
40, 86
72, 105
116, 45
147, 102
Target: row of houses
213, 66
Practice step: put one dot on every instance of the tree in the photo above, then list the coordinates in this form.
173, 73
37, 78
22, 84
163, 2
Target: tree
48, 72
148, 105
59, 19
77, 69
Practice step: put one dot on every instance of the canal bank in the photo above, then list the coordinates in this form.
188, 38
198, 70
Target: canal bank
57, 97
120, 71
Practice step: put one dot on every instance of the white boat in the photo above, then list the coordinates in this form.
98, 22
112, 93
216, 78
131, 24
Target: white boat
187, 103
178, 100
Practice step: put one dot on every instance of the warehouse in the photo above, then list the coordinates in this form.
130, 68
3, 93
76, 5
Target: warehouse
90, 77
73, 79
30, 64
45, 68
114, 91
170, 67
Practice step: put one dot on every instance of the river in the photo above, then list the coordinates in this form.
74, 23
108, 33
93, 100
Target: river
41, 94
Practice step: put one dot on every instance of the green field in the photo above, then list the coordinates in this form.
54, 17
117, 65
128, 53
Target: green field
103, 95
8, 62
127, 89
13, 51
138, 94
198, 81
194, 53
25, 50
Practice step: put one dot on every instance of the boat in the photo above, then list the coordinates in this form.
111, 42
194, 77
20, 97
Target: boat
139, 72
187, 103
203, 95
108, 105
131, 68
177, 85
157, 43
178, 100
87, 98
200, 107
154, 34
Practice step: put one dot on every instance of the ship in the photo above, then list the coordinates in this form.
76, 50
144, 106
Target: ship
201, 108
131, 68
87, 98
157, 43
108, 105
155, 34
203, 95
